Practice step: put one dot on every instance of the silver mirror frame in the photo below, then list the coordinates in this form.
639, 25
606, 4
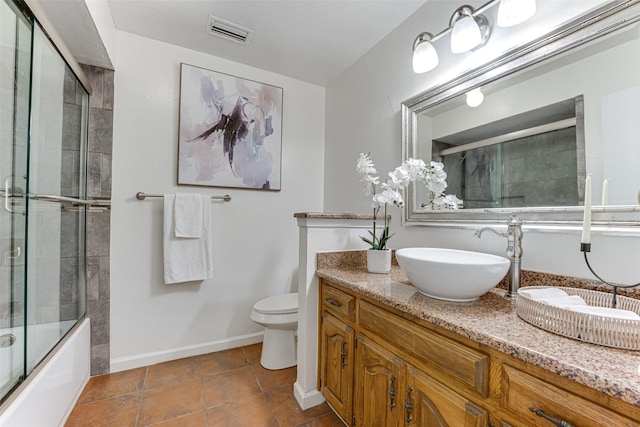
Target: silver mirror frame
602, 21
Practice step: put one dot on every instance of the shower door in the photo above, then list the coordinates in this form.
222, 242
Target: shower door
43, 143
55, 229
15, 56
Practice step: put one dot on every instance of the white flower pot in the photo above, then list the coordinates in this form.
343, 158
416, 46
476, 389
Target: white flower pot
379, 261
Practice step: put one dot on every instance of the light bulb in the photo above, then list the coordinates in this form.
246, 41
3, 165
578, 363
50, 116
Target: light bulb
425, 57
465, 34
514, 12
475, 97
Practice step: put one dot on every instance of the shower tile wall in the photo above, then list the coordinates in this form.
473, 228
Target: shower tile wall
99, 221
539, 170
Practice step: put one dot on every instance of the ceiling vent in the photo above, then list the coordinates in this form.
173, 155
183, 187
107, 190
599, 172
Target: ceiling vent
228, 30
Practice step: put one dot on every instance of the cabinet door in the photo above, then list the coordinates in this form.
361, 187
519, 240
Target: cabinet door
379, 381
336, 365
431, 404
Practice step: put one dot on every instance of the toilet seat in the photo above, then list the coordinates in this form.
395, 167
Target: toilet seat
278, 304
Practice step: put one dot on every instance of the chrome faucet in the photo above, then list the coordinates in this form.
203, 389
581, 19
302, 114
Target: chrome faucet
514, 251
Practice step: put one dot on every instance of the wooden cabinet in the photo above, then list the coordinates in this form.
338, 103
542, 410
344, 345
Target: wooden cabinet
380, 383
367, 380
382, 367
391, 393
459, 363
337, 363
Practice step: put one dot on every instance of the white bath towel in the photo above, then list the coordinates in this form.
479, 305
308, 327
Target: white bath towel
606, 312
187, 211
187, 259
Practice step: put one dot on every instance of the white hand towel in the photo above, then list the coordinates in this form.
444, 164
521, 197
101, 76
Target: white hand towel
187, 259
605, 311
187, 211
536, 294
563, 301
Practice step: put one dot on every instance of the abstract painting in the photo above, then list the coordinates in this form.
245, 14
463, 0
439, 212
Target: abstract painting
230, 131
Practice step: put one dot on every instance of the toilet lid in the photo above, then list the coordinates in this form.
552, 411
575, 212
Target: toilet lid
278, 304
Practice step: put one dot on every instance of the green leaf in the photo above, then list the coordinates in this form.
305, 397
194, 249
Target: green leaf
378, 243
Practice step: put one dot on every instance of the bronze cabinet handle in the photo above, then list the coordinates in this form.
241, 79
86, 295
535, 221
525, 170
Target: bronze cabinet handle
343, 354
333, 302
392, 393
557, 421
408, 406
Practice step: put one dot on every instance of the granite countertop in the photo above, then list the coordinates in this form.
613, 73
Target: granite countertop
492, 320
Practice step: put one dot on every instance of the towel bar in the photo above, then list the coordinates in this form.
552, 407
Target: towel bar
141, 196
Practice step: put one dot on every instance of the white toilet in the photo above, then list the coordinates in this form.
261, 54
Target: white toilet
279, 316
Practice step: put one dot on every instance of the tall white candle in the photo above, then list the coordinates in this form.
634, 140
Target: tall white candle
605, 192
586, 222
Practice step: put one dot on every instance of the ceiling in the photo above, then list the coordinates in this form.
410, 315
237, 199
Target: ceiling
310, 40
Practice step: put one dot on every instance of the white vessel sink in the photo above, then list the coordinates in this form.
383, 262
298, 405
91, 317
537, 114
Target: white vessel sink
451, 274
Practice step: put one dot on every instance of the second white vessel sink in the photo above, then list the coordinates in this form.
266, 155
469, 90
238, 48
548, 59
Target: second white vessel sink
451, 274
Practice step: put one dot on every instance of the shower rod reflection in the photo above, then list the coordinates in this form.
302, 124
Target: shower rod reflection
141, 196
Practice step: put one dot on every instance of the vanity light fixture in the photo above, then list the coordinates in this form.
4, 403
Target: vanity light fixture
475, 97
469, 30
425, 57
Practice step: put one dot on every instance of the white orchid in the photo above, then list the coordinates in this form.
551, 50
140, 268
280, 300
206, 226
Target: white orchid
365, 169
399, 178
433, 176
388, 195
447, 202
435, 179
414, 168
365, 165
370, 188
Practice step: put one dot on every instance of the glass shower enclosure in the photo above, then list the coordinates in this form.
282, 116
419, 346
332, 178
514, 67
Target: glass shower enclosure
43, 139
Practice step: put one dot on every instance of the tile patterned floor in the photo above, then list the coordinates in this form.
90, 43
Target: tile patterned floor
224, 389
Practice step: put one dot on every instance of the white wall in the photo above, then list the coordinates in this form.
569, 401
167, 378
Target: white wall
363, 115
101, 17
255, 235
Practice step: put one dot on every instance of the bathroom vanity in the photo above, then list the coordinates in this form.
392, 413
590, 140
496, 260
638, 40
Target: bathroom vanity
390, 356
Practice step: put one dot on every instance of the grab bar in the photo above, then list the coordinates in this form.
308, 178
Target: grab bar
141, 196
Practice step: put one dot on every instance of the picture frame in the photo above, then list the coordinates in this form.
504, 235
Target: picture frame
230, 131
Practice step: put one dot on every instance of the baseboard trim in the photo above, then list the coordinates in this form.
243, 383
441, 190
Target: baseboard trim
307, 399
139, 360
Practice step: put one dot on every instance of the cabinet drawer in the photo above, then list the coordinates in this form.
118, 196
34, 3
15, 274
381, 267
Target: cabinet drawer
341, 303
454, 359
521, 391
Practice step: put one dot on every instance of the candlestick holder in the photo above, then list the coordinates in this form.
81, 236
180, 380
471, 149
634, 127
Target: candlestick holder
585, 248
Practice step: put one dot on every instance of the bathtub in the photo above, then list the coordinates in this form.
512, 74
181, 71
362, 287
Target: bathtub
48, 395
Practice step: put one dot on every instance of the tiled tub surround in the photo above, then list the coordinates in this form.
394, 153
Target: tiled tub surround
100, 142
492, 321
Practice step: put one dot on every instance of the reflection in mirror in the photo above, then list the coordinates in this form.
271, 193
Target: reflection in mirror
535, 158
540, 128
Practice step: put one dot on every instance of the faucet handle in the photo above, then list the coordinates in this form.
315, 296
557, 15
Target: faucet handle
515, 219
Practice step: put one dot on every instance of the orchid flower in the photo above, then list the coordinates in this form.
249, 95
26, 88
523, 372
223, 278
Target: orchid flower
411, 170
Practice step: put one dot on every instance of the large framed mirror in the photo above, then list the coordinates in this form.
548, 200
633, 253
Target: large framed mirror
555, 110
